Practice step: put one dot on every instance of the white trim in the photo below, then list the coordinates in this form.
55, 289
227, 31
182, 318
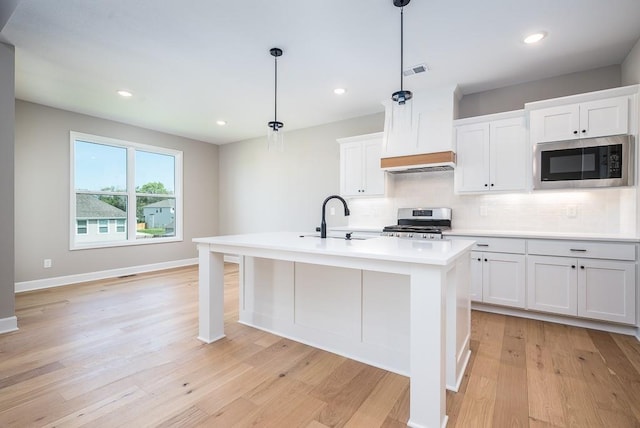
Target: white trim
8, 324
40, 284
630, 330
232, 258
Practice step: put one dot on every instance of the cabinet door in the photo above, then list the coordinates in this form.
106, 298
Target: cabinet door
604, 117
508, 155
472, 166
351, 169
373, 176
552, 284
503, 280
475, 289
607, 290
555, 123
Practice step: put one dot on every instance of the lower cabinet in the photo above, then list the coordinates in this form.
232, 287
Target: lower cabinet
589, 288
586, 279
498, 278
497, 271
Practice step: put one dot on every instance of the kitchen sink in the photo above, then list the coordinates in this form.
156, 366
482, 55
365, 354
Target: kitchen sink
344, 237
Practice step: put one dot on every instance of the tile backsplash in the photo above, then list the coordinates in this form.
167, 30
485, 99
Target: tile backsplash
598, 211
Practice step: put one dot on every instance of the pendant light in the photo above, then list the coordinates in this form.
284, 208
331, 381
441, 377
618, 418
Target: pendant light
275, 137
401, 96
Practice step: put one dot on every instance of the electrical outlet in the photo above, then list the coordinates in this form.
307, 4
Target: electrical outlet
572, 211
483, 210
47, 263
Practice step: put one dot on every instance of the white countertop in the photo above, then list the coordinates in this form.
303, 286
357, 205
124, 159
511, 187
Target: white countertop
580, 236
542, 235
378, 248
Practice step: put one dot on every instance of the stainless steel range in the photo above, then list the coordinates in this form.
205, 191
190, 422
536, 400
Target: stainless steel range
420, 223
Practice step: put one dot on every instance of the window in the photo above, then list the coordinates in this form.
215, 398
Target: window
123, 193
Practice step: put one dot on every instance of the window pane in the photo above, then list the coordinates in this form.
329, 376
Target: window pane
156, 217
81, 227
100, 167
95, 212
121, 226
155, 173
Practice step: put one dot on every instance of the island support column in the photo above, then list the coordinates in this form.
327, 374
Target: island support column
210, 294
427, 354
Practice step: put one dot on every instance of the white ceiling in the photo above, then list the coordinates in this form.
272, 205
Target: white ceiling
191, 62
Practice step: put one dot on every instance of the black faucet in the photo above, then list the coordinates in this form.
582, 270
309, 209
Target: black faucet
323, 224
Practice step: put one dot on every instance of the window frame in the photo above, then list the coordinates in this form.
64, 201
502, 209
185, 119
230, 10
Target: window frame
130, 193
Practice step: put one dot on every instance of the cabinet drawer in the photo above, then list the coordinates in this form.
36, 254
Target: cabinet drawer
583, 249
497, 245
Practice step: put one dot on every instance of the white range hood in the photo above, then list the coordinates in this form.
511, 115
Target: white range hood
418, 136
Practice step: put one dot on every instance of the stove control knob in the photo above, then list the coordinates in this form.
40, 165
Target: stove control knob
410, 235
424, 236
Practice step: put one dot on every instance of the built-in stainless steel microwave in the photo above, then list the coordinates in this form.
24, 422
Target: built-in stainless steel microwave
586, 162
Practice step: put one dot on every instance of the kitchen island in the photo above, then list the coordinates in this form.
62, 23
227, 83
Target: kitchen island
398, 304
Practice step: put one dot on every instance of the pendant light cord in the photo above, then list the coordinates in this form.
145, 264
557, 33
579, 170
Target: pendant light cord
275, 92
401, 48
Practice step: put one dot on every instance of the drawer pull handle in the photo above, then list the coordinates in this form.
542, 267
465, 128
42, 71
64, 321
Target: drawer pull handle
578, 250
482, 245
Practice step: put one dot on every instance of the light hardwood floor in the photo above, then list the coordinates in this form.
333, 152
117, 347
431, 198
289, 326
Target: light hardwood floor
124, 352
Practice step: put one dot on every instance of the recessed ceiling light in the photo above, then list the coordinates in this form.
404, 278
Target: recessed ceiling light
221, 122
339, 91
124, 93
534, 38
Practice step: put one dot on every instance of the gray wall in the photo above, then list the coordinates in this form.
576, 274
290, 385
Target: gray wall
276, 191
42, 189
514, 97
7, 114
631, 66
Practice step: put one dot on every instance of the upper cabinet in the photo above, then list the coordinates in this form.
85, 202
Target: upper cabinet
584, 120
422, 125
492, 154
360, 173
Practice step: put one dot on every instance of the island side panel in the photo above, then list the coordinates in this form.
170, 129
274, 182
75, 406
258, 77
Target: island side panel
427, 349
458, 326
210, 294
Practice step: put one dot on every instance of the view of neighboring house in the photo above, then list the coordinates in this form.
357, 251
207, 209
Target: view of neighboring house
98, 221
161, 215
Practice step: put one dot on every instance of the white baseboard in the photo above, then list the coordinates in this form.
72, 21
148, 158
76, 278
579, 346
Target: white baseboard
40, 284
8, 324
629, 330
232, 258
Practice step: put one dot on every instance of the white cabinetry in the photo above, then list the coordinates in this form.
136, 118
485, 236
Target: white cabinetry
360, 173
498, 271
585, 279
582, 120
491, 155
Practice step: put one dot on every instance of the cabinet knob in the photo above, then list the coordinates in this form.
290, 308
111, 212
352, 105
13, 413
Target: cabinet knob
486, 260
479, 259
491, 184
573, 266
581, 267
584, 131
575, 132
485, 185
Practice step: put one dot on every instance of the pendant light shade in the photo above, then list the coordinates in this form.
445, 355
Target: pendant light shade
401, 96
275, 137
